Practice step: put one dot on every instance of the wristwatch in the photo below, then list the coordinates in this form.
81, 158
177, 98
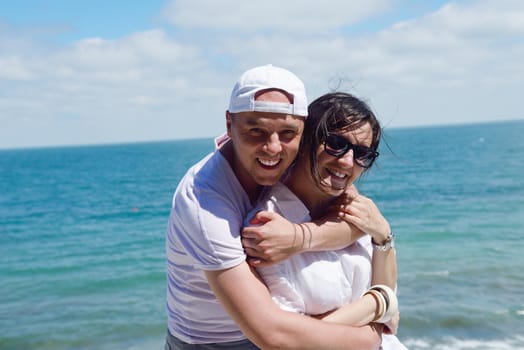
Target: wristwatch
388, 244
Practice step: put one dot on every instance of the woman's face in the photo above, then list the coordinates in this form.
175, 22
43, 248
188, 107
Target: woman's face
338, 173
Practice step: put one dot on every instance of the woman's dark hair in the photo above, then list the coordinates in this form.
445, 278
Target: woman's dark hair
330, 113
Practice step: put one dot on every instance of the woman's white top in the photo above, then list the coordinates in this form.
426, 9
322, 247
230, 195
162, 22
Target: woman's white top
316, 282
313, 282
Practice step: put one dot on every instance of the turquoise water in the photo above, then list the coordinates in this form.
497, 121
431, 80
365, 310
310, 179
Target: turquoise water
82, 238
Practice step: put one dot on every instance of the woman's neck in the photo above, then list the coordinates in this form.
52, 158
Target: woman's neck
301, 183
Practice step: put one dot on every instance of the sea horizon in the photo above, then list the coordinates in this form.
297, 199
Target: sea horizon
132, 142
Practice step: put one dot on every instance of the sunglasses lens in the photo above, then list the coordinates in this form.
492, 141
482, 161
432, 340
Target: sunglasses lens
364, 157
337, 146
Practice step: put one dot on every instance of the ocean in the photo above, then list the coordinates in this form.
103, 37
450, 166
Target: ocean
82, 238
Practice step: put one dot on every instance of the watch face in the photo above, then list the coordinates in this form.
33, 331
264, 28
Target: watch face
390, 243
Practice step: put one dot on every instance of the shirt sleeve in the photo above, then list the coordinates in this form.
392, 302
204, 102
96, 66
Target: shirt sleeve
206, 221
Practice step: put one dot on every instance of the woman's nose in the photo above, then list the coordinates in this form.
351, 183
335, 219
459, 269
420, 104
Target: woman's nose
347, 159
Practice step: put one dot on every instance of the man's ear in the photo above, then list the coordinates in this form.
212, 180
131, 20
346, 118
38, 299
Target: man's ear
228, 123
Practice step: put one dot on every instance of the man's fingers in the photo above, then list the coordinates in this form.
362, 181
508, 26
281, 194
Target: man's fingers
261, 217
249, 243
248, 233
252, 252
254, 262
255, 258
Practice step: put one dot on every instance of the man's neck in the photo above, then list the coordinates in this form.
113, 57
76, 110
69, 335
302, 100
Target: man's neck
251, 188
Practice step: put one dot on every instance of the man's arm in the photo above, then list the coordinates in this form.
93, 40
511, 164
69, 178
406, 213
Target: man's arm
274, 238
248, 302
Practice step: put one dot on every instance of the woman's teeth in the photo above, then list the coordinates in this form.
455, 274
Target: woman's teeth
337, 174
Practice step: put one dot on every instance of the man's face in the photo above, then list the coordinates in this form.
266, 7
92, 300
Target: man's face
265, 145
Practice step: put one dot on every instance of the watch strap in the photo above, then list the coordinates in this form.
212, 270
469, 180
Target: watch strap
388, 244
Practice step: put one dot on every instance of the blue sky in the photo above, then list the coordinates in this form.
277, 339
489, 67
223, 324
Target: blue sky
75, 20
88, 72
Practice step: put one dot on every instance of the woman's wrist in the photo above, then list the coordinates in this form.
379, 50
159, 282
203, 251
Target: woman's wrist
380, 304
381, 235
385, 245
386, 302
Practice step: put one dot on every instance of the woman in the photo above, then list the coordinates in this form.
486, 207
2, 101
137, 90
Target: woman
340, 142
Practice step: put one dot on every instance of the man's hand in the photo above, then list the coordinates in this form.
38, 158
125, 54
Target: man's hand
272, 239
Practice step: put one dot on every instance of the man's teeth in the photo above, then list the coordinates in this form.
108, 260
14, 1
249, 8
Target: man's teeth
268, 162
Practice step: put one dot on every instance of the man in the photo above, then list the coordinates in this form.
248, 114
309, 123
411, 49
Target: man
214, 299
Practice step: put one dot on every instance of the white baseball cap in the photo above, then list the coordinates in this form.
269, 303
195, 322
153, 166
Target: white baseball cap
264, 78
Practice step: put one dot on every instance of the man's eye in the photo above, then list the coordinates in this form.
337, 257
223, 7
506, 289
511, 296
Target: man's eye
256, 132
288, 135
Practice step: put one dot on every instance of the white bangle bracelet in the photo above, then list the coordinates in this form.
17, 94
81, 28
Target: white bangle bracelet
391, 302
381, 304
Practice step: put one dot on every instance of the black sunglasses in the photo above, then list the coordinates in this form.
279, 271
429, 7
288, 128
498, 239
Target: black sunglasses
337, 146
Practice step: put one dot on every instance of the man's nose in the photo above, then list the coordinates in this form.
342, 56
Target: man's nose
273, 144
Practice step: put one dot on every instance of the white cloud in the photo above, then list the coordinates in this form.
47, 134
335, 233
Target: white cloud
274, 15
460, 63
11, 68
133, 87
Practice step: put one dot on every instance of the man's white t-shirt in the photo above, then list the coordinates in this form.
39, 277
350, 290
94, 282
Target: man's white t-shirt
203, 233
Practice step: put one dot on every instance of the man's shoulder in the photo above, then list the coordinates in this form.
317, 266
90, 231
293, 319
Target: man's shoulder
213, 165
206, 172
212, 185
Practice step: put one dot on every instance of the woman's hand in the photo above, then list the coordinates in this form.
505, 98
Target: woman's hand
365, 215
391, 327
